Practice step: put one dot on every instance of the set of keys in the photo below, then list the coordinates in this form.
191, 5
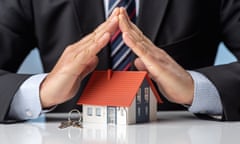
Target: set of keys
70, 122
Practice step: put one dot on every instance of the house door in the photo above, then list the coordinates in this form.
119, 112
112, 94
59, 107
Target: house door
111, 115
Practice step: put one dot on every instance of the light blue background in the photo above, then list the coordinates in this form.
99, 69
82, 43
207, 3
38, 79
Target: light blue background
32, 63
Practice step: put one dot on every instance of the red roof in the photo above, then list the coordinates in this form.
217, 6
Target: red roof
119, 89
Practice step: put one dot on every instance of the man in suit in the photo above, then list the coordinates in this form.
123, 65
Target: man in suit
171, 38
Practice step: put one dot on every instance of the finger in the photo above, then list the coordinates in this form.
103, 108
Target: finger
135, 35
115, 12
111, 27
142, 51
138, 47
93, 45
108, 26
130, 24
135, 31
140, 65
100, 39
125, 27
123, 11
123, 23
92, 48
134, 39
101, 42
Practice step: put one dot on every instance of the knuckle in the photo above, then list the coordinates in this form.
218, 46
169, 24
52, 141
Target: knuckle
69, 48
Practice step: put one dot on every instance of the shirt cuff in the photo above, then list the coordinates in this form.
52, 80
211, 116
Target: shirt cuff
26, 103
206, 97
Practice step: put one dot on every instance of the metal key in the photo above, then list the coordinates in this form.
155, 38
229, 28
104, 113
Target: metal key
70, 122
65, 124
77, 124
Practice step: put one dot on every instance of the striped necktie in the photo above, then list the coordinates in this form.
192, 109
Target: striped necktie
120, 53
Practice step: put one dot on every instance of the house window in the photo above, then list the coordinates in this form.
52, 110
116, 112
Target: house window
98, 112
146, 110
139, 96
139, 111
146, 94
89, 111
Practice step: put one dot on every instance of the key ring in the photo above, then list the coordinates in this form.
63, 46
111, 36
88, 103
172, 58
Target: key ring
71, 112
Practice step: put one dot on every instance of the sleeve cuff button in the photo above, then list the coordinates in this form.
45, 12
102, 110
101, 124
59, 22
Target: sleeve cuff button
29, 113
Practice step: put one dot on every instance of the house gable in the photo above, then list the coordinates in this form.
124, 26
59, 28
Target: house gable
142, 103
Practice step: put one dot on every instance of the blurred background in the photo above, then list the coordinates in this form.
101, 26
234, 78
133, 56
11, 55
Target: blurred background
32, 63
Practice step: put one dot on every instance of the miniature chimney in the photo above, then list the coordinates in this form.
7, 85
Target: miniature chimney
109, 74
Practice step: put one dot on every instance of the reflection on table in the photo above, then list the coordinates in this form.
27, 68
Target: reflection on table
170, 128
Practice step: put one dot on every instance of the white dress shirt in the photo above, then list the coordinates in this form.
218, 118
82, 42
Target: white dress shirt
26, 102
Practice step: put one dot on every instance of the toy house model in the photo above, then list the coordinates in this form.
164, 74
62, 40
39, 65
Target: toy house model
119, 97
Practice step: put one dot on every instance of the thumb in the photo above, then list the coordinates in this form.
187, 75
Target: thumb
140, 65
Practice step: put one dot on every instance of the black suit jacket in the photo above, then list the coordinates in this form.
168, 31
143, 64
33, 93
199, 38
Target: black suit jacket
188, 30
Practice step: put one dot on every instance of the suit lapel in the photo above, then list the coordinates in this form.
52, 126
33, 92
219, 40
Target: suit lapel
90, 14
151, 14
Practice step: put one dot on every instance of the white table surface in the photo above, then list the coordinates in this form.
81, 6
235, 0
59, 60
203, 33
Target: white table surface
170, 128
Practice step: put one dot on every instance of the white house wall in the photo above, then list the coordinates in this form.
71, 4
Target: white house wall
152, 107
94, 118
131, 111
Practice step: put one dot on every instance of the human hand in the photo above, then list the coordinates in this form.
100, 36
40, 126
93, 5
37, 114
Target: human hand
77, 60
175, 83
